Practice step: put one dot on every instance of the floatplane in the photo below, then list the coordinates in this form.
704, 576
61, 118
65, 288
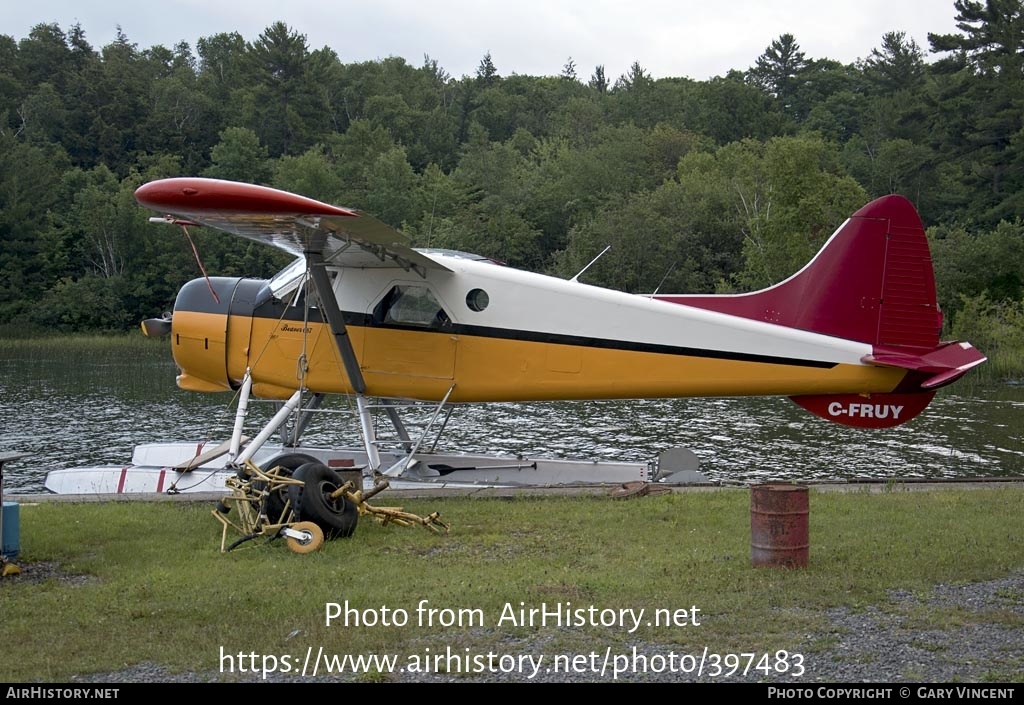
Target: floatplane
853, 337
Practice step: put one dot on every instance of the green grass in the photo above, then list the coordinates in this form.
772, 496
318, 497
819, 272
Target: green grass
146, 582
118, 343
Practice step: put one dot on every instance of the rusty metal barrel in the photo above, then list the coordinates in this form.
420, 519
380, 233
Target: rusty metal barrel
779, 534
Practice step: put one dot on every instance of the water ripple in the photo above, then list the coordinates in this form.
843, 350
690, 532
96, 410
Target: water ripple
67, 414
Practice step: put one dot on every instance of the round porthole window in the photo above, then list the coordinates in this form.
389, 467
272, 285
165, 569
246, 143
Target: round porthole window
477, 300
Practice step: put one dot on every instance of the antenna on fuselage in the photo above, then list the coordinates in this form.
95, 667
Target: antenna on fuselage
577, 277
655, 293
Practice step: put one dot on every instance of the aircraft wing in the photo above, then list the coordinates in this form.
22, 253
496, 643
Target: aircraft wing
293, 223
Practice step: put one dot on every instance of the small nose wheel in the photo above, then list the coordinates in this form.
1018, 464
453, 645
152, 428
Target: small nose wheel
303, 537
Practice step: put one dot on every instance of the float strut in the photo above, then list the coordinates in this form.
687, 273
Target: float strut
279, 418
243, 405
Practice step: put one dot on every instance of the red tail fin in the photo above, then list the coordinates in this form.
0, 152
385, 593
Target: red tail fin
872, 282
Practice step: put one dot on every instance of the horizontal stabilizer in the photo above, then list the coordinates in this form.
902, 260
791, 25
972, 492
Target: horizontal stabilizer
935, 368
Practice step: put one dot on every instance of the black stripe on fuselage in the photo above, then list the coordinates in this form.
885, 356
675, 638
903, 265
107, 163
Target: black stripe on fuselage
278, 311
631, 346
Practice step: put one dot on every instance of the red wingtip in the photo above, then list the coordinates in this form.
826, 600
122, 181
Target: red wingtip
193, 195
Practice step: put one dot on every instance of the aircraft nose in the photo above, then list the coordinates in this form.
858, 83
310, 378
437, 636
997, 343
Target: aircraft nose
157, 327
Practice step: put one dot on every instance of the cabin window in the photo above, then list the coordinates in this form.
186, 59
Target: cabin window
410, 305
477, 300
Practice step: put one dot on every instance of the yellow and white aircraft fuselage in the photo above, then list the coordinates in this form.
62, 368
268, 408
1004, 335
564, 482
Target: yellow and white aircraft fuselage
853, 337
537, 338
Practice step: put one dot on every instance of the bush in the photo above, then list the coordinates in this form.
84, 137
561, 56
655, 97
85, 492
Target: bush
997, 329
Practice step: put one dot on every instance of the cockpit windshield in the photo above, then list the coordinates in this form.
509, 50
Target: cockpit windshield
288, 279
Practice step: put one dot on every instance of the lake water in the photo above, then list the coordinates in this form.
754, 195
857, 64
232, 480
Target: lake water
75, 406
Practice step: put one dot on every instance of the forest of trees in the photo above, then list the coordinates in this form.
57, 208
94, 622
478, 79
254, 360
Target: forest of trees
721, 185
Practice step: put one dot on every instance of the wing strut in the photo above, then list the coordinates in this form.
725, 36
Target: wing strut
336, 320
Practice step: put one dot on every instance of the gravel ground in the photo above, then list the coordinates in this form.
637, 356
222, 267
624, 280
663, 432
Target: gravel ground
956, 634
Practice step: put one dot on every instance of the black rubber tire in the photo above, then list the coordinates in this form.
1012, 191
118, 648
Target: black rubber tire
276, 500
312, 501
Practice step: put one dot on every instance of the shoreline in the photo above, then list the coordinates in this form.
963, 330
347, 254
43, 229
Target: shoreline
863, 486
